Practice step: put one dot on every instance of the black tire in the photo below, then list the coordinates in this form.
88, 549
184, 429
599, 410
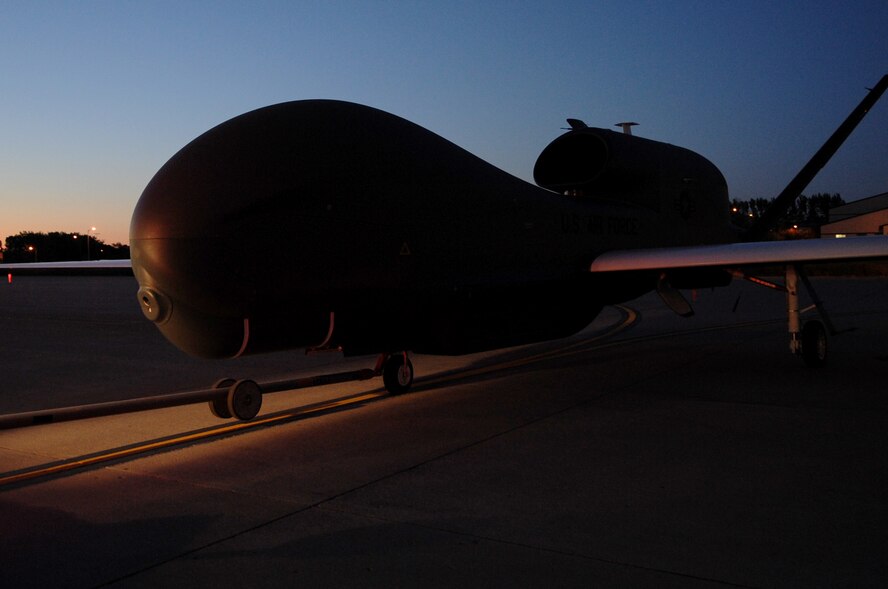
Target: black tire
814, 345
397, 374
244, 399
219, 407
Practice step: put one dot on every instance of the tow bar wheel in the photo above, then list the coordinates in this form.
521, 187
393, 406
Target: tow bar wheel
219, 406
244, 399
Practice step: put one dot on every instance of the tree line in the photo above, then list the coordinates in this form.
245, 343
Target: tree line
801, 219
805, 215
57, 246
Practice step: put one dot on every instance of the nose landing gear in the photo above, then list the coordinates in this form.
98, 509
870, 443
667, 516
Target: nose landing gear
397, 372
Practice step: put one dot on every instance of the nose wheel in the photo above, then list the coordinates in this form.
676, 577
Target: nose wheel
397, 373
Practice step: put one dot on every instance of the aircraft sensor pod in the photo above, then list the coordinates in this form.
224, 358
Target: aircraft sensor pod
155, 306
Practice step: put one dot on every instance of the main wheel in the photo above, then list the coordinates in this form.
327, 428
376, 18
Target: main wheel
814, 344
219, 407
397, 374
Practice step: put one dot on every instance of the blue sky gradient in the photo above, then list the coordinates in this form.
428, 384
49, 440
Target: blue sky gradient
96, 96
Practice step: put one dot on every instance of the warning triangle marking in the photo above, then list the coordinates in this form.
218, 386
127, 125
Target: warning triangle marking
405, 249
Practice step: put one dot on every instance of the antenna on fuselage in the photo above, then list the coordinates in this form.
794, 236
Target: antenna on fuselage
627, 127
575, 124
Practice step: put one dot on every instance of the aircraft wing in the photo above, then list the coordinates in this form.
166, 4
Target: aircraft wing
733, 255
123, 267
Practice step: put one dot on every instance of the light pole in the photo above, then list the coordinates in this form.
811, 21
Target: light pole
33, 249
87, 243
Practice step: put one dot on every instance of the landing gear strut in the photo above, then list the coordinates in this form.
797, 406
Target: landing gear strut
809, 342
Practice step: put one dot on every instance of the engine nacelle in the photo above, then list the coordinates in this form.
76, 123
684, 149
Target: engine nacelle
599, 163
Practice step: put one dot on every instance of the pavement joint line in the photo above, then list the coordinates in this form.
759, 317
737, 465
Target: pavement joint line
631, 317
331, 498
518, 544
345, 492
322, 503
218, 431
577, 347
165, 443
593, 344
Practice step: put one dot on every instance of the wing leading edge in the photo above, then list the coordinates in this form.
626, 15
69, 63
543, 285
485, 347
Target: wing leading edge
123, 267
733, 255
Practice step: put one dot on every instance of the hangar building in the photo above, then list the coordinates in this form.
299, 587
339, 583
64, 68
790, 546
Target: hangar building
868, 216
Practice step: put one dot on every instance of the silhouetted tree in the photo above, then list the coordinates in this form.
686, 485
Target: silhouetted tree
806, 211
30, 246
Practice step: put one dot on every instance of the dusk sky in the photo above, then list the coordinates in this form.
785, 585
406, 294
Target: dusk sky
96, 96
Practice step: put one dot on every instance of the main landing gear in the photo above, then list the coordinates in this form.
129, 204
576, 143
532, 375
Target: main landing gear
243, 398
812, 347
808, 341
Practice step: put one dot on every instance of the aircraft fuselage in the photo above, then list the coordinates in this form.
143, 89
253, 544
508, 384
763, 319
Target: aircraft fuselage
263, 230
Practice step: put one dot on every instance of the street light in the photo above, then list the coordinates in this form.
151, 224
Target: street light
87, 242
33, 249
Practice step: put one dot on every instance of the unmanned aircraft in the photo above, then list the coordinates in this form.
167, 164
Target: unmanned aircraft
322, 224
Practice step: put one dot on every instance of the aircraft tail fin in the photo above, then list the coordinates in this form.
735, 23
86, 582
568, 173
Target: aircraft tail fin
782, 202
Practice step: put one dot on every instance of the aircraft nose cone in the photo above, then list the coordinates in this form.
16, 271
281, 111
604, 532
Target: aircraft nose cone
225, 222
201, 226
269, 220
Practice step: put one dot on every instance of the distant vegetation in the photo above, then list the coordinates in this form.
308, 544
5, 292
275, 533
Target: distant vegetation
29, 246
801, 220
